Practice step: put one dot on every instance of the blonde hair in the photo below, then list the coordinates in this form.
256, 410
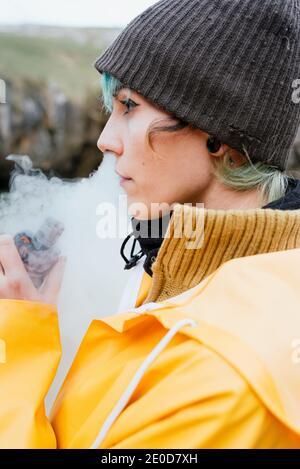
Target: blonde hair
270, 181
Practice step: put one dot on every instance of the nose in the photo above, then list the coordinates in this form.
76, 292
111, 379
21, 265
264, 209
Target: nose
109, 141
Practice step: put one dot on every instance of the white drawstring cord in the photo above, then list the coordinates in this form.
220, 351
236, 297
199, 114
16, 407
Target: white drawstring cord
137, 378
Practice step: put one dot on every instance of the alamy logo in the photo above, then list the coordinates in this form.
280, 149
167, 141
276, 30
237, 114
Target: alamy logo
296, 92
2, 91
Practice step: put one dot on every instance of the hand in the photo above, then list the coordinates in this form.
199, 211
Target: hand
15, 283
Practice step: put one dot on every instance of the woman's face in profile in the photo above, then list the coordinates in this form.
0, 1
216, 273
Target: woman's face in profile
177, 169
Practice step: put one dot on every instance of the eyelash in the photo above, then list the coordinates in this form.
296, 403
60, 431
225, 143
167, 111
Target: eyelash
128, 103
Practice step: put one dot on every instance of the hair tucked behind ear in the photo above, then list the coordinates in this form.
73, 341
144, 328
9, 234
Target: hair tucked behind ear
269, 180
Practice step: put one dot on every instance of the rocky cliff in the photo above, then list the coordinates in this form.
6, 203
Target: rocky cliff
52, 110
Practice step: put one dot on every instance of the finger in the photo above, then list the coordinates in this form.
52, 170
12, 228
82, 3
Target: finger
9, 257
52, 285
3, 287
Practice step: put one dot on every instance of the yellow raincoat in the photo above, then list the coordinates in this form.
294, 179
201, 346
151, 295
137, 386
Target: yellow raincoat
216, 366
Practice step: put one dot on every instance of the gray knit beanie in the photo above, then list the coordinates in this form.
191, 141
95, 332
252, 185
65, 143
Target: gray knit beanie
228, 67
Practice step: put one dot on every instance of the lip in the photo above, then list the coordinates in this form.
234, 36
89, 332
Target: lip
123, 179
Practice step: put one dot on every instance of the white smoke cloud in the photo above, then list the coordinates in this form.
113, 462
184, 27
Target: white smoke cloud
94, 276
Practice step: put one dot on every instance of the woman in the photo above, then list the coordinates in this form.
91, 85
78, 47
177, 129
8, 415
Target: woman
204, 352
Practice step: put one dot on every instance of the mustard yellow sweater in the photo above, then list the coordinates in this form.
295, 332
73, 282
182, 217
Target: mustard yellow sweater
199, 240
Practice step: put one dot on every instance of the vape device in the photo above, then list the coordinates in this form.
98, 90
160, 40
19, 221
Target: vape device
38, 251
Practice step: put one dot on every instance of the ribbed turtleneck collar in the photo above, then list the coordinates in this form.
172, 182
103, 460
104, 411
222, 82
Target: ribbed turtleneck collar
199, 240
150, 234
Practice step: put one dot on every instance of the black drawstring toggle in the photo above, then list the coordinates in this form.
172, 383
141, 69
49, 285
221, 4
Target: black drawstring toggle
132, 262
134, 258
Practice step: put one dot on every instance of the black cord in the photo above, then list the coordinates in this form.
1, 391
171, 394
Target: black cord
134, 258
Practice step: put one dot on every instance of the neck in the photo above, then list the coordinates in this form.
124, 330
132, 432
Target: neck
219, 197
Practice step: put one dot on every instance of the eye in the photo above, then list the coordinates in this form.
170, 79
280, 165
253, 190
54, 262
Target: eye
129, 104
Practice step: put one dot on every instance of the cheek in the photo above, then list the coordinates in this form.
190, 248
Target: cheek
137, 153
180, 177
191, 163
178, 170
142, 162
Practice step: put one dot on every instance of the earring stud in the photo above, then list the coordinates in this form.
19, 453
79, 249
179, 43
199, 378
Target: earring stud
213, 144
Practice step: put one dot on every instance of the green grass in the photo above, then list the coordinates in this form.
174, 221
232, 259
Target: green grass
63, 61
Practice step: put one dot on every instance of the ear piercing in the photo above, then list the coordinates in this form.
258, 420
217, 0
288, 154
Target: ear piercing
213, 144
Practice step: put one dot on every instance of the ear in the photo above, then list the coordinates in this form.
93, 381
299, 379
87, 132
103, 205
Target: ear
236, 158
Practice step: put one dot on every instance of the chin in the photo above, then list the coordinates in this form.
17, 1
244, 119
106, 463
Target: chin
138, 209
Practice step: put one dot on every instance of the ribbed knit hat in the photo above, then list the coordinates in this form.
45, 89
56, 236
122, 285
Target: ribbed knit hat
226, 66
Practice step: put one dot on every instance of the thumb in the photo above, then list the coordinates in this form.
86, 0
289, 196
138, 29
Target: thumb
52, 285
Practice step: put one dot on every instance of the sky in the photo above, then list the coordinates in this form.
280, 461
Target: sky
72, 12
